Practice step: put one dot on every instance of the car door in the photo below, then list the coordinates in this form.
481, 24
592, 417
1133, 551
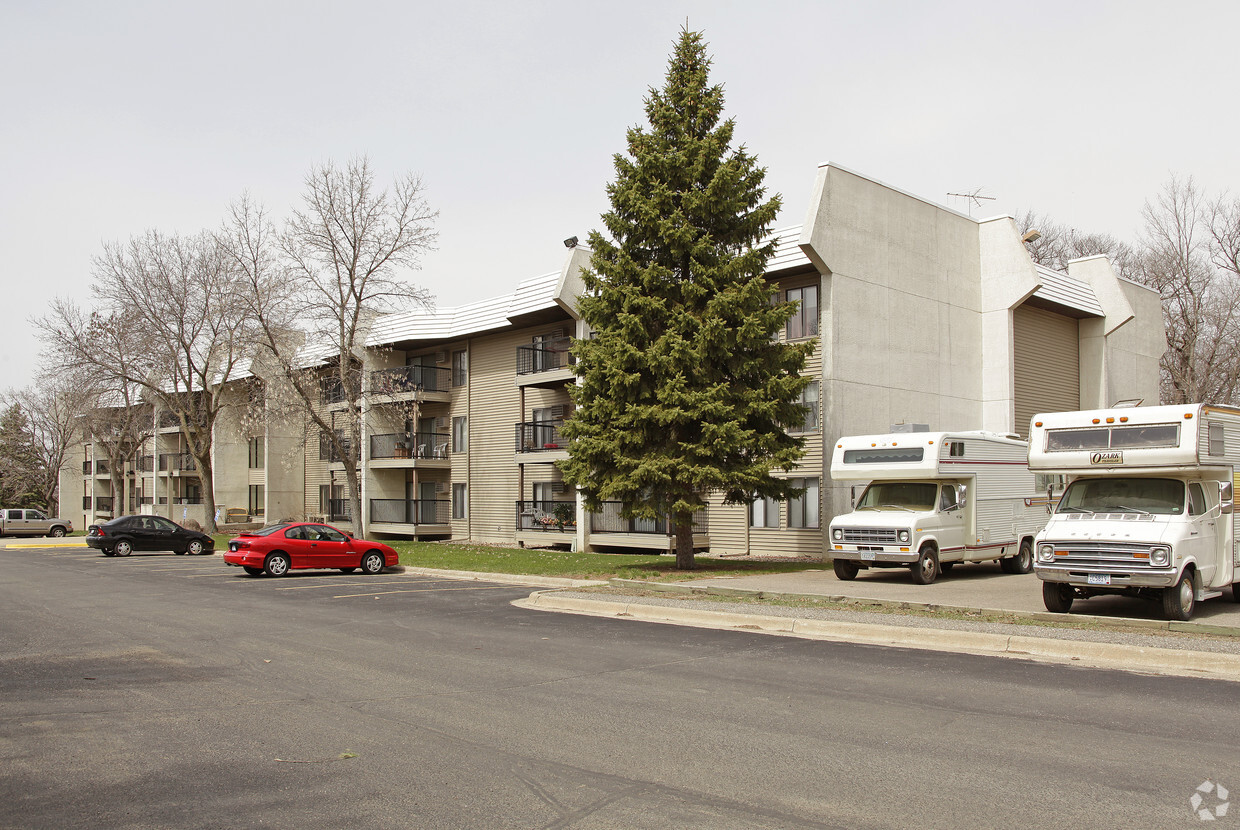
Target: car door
297, 545
1202, 532
164, 533
332, 549
37, 523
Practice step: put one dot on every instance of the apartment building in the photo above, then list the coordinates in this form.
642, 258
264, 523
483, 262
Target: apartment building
919, 315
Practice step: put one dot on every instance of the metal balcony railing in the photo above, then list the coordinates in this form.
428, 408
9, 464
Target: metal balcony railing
338, 510
146, 464
540, 436
547, 516
545, 356
410, 511
609, 520
169, 461
404, 445
410, 379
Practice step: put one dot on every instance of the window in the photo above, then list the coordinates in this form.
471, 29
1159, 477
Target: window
258, 500
803, 509
86, 502
763, 512
809, 402
460, 368
257, 454
956, 449
1218, 446
804, 321
459, 501
460, 434
1196, 500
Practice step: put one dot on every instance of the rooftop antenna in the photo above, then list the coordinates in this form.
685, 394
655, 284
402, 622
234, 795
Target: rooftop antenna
974, 198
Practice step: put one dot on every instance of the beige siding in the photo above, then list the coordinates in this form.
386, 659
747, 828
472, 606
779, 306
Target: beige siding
1046, 367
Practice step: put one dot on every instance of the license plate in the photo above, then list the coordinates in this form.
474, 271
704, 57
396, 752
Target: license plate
1099, 579
867, 556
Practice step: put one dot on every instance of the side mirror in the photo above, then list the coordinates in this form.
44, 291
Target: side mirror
1225, 498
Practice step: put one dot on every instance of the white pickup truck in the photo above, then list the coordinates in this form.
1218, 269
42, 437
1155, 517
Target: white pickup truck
14, 522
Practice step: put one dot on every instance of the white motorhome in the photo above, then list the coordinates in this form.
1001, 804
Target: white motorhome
935, 499
1148, 507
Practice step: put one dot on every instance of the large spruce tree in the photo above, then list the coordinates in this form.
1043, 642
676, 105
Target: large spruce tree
685, 389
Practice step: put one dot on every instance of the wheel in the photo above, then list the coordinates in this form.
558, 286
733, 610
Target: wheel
1057, 597
372, 562
347, 570
108, 552
57, 532
946, 567
123, 548
1179, 601
845, 569
194, 547
277, 564
1022, 562
252, 571
927, 567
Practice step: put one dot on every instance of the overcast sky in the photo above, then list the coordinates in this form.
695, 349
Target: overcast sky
120, 117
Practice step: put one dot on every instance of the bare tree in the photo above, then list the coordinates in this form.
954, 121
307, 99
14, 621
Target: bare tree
1185, 242
55, 404
1059, 244
172, 322
315, 288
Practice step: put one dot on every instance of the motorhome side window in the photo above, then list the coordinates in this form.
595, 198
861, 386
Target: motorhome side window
1118, 437
956, 449
884, 455
1217, 446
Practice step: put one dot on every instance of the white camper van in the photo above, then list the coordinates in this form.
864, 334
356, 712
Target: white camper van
936, 499
1148, 507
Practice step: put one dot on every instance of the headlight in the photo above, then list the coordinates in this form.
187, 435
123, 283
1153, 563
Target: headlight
904, 537
1046, 553
837, 534
1160, 555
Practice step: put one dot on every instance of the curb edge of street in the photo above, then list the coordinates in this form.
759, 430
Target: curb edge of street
1181, 663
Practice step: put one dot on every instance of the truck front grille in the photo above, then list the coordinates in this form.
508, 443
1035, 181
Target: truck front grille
870, 535
1102, 554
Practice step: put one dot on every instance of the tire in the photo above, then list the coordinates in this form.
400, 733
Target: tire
347, 570
1057, 597
372, 562
108, 552
1179, 601
845, 569
123, 548
277, 564
57, 533
252, 571
1022, 562
194, 547
927, 567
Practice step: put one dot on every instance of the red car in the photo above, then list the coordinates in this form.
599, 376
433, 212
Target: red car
278, 548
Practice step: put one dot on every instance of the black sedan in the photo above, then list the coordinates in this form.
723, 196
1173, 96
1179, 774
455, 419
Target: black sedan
123, 535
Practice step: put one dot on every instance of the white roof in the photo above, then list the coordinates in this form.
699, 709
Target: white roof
1058, 287
788, 253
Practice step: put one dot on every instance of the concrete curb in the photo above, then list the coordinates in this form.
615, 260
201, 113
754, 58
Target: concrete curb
902, 605
1076, 653
66, 542
506, 579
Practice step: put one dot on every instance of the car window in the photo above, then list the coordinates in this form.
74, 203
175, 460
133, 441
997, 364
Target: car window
165, 525
13, 514
34, 514
295, 533
330, 534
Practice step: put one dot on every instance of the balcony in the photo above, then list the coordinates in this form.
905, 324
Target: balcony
545, 363
430, 383
609, 529
401, 450
146, 464
547, 517
540, 441
427, 517
102, 468
176, 463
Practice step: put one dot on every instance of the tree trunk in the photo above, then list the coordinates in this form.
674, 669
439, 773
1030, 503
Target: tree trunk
354, 489
206, 482
684, 542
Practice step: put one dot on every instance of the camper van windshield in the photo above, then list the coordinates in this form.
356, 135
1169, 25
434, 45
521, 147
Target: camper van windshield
1164, 496
916, 495
884, 455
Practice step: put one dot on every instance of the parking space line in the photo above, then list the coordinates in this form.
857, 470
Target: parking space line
422, 591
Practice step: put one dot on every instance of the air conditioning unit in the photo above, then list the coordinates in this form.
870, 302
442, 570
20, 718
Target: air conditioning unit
441, 486
441, 357
441, 422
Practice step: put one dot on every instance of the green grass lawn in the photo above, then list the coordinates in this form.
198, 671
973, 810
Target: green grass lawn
542, 562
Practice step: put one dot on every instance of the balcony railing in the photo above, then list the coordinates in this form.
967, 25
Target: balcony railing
410, 379
402, 445
545, 356
540, 436
410, 511
327, 452
103, 504
548, 516
187, 500
338, 510
609, 520
176, 461
146, 464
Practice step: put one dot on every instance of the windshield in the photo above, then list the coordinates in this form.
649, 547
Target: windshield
911, 495
1163, 496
